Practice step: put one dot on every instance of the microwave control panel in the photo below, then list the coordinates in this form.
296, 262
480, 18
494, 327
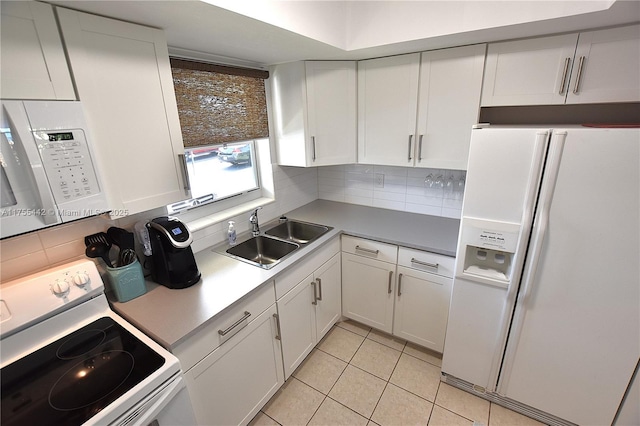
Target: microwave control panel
68, 164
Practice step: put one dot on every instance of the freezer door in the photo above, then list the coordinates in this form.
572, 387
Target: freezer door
503, 178
575, 339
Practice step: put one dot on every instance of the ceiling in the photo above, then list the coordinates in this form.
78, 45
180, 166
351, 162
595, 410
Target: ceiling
264, 32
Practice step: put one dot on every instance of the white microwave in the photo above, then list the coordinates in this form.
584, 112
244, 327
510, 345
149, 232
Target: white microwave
49, 174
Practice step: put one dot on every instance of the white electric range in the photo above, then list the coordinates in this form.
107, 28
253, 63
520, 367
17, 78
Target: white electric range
67, 358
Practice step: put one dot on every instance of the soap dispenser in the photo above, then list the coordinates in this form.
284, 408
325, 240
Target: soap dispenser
231, 233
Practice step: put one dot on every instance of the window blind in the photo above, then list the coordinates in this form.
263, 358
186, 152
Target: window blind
219, 104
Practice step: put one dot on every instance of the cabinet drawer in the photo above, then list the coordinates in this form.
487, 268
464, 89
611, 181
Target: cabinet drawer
425, 261
230, 322
371, 249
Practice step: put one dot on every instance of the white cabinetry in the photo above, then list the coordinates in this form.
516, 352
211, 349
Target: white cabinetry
309, 310
368, 282
423, 293
315, 112
449, 105
409, 300
418, 109
33, 62
387, 101
231, 376
123, 77
595, 66
606, 67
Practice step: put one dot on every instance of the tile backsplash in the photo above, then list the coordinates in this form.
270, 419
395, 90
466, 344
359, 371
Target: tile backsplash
396, 188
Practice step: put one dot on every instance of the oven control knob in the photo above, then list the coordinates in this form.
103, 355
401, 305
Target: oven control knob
81, 279
60, 288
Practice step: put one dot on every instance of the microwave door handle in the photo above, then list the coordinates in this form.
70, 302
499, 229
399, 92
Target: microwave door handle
21, 133
45, 196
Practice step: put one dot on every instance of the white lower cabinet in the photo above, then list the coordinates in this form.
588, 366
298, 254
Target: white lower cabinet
368, 282
235, 379
422, 298
309, 310
409, 299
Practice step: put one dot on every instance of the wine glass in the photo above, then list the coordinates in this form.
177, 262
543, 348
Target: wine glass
428, 181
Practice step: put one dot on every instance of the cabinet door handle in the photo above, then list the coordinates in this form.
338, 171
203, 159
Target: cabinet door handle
576, 87
399, 285
313, 148
246, 315
278, 333
420, 148
390, 279
427, 264
410, 140
368, 251
319, 288
563, 86
315, 297
185, 173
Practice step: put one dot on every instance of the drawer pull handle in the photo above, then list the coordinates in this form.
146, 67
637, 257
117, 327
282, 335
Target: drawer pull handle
319, 288
278, 333
390, 279
315, 296
427, 264
399, 285
246, 315
368, 251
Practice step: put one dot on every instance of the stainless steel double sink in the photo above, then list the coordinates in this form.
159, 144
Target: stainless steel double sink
279, 241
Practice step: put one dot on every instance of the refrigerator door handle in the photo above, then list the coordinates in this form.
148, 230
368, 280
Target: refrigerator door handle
541, 221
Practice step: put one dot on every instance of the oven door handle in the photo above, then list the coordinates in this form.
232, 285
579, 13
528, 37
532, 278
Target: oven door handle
148, 409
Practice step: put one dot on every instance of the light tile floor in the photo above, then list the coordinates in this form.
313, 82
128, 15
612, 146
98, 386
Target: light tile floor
359, 376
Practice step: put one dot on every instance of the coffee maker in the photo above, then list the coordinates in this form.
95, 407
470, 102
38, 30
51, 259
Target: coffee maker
172, 261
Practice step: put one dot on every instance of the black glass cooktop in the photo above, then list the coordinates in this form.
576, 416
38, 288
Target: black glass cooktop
75, 377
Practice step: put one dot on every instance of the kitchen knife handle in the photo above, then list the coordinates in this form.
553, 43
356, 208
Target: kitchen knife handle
390, 279
246, 315
563, 86
278, 332
576, 87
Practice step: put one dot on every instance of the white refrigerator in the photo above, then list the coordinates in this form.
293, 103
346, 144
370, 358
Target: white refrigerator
545, 309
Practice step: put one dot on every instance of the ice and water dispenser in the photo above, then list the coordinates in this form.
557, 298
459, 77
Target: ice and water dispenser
486, 251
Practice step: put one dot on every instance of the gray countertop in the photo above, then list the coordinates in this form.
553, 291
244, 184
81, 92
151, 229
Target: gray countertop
171, 316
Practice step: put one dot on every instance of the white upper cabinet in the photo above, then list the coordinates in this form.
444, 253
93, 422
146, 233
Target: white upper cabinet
124, 81
417, 110
449, 105
604, 67
387, 101
315, 112
33, 61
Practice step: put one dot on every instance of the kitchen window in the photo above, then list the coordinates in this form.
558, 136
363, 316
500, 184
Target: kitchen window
223, 116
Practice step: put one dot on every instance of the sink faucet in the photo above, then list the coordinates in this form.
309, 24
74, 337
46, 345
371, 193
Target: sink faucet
253, 221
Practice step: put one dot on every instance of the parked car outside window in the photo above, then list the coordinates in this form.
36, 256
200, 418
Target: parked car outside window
239, 154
